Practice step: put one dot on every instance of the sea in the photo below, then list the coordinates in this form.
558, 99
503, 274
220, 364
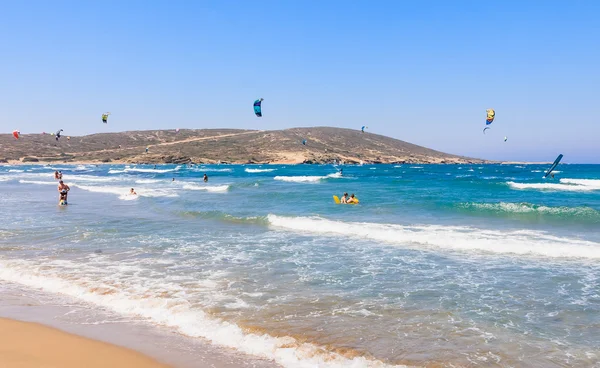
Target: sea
438, 266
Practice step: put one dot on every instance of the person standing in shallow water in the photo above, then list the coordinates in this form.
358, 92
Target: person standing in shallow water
205, 178
63, 190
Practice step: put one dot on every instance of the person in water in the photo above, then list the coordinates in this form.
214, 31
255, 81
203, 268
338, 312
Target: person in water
132, 192
63, 190
341, 171
56, 175
352, 199
60, 175
344, 198
205, 178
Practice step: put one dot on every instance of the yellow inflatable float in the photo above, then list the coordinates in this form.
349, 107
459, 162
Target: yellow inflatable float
354, 200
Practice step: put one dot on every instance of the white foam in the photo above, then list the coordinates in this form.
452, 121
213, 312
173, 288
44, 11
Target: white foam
258, 170
15, 171
208, 169
307, 179
217, 188
91, 178
129, 197
572, 185
123, 191
509, 207
148, 181
455, 238
134, 169
37, 182
299, 179
420, 167
590, 183
176, 313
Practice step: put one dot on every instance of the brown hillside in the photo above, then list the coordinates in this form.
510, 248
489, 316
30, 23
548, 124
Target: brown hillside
324, 144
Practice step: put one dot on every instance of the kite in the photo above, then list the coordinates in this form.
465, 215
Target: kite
363, 128
105, 117
505, 139
58, 134
304, 142
16, 134
68, 138
556, 162
257, 107
491, 114
177, 130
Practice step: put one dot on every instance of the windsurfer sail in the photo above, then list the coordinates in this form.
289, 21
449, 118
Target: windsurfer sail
556, 162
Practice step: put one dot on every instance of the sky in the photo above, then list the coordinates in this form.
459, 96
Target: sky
421, 71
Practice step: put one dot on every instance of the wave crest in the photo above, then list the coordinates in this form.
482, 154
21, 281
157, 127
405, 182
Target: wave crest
454, 238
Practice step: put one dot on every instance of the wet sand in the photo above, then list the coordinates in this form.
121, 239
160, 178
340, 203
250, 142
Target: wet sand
26, 344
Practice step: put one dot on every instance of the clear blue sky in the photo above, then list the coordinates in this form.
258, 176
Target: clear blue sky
421, 71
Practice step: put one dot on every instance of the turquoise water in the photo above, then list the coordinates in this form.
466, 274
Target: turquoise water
439, 265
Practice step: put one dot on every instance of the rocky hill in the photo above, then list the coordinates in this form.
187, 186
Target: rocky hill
323, 145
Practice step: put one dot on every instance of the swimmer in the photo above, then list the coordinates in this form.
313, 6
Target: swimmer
173, 179
132, 192
344, 199
56, 175
352, 199
205, 178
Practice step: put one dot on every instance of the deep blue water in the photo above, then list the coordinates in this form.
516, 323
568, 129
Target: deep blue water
472, 265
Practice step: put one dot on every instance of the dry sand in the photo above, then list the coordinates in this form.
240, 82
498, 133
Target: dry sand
25, 345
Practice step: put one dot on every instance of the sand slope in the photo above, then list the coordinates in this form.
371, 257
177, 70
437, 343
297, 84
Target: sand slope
29, 345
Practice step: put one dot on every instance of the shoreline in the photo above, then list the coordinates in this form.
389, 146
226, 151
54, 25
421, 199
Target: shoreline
55, 317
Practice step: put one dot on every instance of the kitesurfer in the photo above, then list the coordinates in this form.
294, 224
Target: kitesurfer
63, 190
205, 178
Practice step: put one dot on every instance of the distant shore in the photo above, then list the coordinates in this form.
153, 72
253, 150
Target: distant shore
315, 145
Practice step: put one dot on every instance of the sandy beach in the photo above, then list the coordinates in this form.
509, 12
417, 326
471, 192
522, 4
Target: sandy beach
25, 344
31, 311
